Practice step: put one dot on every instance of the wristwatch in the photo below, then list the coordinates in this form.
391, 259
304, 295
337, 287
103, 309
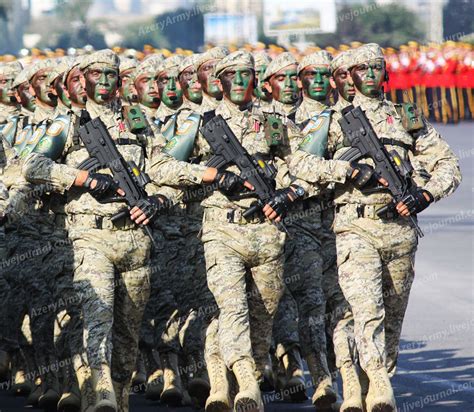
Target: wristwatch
299, 191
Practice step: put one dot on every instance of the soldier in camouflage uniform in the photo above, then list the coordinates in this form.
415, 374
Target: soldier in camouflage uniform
126, 68
205, 64
29, 222
376, 254
244, 258
111, 270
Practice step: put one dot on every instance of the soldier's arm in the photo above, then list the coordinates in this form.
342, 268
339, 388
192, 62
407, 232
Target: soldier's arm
436, 157
316, 170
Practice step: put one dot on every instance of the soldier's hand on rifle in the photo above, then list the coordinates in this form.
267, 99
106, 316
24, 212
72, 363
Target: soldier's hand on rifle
147, 209
101, 186
278, 206
414, 202
362, 174
227, 182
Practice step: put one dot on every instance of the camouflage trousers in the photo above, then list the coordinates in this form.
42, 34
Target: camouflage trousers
111, 279
245, 274
376, 270
31, 282
339, 319
285, 325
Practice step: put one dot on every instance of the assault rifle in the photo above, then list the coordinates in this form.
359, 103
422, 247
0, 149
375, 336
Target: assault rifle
104, 154
228, 150
365, 143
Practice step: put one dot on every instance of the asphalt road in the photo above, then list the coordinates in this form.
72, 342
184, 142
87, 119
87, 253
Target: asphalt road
436, 364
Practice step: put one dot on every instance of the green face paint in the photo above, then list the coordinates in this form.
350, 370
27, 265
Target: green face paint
26, 99
344, 83
284, 85
208, 81
147, 90
42, 88
125, 89
189, 82
7, 93
315, 81
59, 87
237, 84
101, 84
369, 77
171, 93
259, 92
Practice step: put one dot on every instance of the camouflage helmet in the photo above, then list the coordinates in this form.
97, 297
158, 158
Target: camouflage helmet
189, 61
11, 69
171, 64
367, 52
211, 54
343, 59
237, 58
149, 65
280, 62
127, 63
320, 58
104, 57
261, 59
40, 65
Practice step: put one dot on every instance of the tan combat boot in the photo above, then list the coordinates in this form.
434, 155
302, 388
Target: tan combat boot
380, 397
70, 399
103, 389
324, 395
351, 389
198, 381
36, 392
172, 394
21, 385
295, 384
248, 399
218, 400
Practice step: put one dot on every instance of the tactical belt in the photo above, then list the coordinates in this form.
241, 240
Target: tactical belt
100, 222
366, 211
231, 216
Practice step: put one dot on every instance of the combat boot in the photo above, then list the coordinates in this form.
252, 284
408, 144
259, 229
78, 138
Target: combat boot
295, 384
248, 399
36, 392
364, 385
380, 397
21, 386
172, 394
154, 383
103, 389
139, 375
324, 395
70, 399
50, 398
351, 389
218, 400
122, 394
4, 366
198, 382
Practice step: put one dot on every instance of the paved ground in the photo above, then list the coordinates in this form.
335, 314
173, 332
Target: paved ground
436, 367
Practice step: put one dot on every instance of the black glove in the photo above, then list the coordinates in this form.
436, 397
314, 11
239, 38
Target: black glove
151, 205
364, 176
416, 200
229, 183
105, 187
282, 201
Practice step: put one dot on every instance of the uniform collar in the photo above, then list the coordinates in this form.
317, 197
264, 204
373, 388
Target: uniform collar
164, 111
42, 113
367, 103
228, 110
7, 110
188, 104
107, 112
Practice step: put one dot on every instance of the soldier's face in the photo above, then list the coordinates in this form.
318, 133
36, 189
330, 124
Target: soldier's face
43, 89
147, 90
209, 83
238, 84
190, 84
283, 85
344, 84
74, 88
101, 84
260, 92
170, 90
315, 82
368, 77
26, 99
7, 93
61, 91
125, 89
